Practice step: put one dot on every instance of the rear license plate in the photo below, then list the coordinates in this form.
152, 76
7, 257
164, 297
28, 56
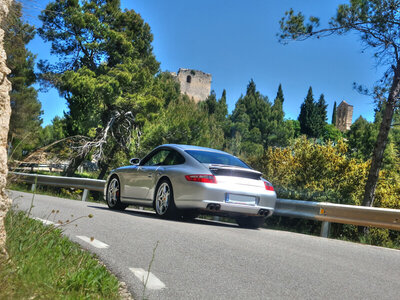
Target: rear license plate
240, 199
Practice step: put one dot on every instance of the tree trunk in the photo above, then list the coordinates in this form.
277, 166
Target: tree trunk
381, 141
103, 169
105, 164
5, 112
74, 164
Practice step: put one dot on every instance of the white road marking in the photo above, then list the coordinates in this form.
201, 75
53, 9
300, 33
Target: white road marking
153, 282
93, 242
45, 222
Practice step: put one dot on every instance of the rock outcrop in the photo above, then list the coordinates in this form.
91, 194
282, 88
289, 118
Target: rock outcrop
5, 112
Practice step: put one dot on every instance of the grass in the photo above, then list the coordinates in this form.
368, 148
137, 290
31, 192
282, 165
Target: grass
44, 264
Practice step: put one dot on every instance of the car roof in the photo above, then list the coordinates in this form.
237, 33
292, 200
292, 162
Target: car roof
191, 147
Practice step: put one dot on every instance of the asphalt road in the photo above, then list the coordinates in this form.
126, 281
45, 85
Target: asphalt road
212, 260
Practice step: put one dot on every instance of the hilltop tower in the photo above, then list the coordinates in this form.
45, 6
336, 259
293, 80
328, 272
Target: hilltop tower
344, 116
196, 84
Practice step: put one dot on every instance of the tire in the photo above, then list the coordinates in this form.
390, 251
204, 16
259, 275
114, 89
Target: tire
163, 203
250, 222
189, 214
113, 195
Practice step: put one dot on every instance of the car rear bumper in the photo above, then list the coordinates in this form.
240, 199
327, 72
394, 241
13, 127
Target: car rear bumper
236, 209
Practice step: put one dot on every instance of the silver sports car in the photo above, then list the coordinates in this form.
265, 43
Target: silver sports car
182, 181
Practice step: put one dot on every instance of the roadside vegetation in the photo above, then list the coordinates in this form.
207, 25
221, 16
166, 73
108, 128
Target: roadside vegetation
44, 264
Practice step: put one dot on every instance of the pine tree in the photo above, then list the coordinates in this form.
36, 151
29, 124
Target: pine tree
26, 112
334, 114
309, 117
106, 71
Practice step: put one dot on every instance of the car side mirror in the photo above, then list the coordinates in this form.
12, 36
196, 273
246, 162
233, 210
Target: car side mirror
134, 161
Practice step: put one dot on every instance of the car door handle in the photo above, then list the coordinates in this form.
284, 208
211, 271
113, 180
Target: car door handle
150, 175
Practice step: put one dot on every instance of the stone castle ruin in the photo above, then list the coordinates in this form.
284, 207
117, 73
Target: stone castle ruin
344, 116
196, 84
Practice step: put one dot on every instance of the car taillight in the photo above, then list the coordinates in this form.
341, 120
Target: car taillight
268, 186
201, 178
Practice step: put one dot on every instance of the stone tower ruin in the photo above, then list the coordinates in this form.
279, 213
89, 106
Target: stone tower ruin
195, 84
344, 116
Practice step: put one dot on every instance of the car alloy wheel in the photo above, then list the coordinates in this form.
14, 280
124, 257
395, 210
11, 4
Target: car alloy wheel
164, 204
113, 195
163, 198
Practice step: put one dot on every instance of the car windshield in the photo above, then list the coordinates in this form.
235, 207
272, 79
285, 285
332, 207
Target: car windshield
209, 157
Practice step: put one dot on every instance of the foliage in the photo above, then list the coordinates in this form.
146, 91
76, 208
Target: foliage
315, 172
257, 123
334, 112
26, 112
377, 24
309, 171
331, 133
309, 116
183, 122
107, 72
53, 132
43, 263
362, 137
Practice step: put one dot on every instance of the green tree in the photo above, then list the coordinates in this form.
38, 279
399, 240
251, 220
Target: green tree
377, 24
53, 132
334, 114
106, 73
221, 110
26, 112
322, 118
331, 133
281, 130
183, 122
361, 138
250, 120
309, 116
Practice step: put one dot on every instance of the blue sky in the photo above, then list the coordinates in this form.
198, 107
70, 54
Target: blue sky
236, 41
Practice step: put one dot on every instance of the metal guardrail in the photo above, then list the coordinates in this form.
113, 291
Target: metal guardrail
86, 184
319, 211
339, 213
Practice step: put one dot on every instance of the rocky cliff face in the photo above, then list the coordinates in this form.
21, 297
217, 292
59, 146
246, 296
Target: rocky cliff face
5, 112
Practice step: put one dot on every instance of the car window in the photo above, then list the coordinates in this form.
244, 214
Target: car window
164, 157
173, 158
157, 158
209, 157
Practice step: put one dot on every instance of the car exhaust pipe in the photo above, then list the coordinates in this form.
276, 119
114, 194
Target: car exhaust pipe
213, 206
263, 212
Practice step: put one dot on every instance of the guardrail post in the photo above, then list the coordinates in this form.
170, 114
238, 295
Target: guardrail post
33, 188
84, 195
325, 229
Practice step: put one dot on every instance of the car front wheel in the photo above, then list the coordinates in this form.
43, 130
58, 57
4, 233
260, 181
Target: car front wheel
113, 196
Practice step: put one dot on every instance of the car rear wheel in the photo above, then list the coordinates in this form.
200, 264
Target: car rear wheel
250, 222
113, 196
189, 214
164, 204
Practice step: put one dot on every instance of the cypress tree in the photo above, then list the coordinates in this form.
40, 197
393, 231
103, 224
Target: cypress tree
309, 117
277, 108
322, 115
334, 114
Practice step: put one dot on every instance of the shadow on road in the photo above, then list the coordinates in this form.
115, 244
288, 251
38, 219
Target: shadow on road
152, 215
